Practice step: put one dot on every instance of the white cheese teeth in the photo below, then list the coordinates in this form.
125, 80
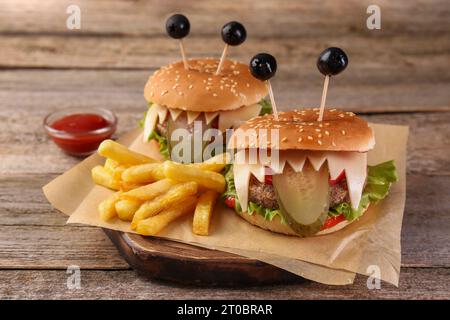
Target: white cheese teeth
353, 163
227, 119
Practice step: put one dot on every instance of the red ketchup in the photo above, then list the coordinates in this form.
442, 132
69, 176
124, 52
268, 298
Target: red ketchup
80, 134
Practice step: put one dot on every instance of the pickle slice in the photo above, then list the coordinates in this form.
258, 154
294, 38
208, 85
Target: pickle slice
303, 198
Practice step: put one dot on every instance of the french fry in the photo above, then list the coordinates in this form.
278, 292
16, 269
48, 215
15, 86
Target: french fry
103, 178
183, 173
117, 172
153, 225
149, 191
203, 212
222, 158
175, 194
126, 209
110, 165
127, 186
107, 209
216, 167
123, 155
144, 173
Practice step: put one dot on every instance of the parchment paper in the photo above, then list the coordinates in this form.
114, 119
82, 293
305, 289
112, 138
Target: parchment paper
371, 244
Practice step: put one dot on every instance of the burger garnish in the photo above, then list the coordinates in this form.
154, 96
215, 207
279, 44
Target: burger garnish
177, 97
321, 181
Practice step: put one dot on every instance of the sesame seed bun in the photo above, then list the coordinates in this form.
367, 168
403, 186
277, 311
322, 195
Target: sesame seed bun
300, 130
278, 227
199, 89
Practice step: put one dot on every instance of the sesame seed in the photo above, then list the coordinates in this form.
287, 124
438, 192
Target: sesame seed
151, 94
343, 132
188, 75
334, 144
214, 94
180, 93
164, 92
327, 133
341, 115
310, 138
317, 130
320, 135
284, 139
300, 139
190, 86
319, 142
208, 88
301, 130
248, 85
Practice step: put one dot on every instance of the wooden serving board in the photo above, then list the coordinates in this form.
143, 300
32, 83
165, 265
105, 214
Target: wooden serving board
186, 264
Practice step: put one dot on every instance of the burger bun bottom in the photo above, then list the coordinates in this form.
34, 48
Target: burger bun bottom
278, 227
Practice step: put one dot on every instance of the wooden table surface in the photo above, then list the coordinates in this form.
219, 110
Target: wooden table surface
396, 75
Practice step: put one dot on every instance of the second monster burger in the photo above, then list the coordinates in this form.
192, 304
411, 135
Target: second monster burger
177, 97
320, 181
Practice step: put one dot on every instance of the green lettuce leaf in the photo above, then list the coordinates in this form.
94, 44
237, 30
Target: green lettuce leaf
378, 183
267, 213
266, 107
163, 143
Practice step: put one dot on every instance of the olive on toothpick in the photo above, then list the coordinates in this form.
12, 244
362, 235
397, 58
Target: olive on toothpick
233, 34
263, 66
331, 62
178, 27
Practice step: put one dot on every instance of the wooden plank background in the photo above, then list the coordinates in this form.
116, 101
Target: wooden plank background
397, 75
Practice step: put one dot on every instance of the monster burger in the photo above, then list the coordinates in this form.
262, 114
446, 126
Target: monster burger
198, 95
177, 97
304, 172
315, 179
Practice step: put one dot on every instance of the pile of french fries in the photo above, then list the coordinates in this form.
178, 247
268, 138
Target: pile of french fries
152, 194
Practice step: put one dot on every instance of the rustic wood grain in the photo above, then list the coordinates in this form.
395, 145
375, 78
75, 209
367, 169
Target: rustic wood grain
186, 264
415, 283
397, 75
265, 18
39, 91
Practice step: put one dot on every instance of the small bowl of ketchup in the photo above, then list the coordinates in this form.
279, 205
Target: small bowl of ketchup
80, 131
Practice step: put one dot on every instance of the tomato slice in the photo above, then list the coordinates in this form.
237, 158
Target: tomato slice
268, 179
332, 221
338, 179
230, 201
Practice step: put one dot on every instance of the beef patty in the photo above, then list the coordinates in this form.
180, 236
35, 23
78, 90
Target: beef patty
264, 194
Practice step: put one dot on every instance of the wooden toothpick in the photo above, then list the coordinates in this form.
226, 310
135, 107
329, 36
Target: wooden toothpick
324, 97
272, 100
222, 59
183, 54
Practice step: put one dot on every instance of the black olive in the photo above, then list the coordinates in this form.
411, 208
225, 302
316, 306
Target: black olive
263, 66
178, 26
233, 33
332, 61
